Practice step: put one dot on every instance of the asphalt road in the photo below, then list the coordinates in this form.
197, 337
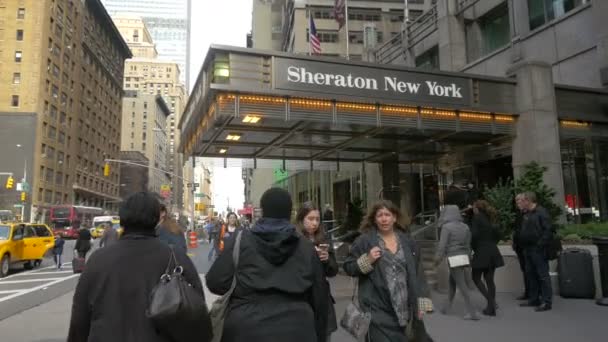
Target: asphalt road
22, 290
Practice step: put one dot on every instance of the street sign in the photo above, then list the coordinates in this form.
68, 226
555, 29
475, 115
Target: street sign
17, 205
200, 194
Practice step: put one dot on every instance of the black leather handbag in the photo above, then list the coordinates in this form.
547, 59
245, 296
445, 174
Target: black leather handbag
175, 305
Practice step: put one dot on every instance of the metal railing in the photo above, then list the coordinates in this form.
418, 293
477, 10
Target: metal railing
415, 32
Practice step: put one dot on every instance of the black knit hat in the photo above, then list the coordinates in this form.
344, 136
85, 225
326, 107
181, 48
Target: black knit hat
276, 203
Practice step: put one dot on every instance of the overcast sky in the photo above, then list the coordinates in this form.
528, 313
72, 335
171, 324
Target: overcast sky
225, 22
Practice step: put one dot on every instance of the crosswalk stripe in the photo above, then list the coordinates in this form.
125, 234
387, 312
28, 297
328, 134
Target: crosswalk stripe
10, 291
28, 281
52, 272
40, 287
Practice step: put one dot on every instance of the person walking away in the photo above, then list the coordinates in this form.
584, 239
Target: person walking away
83, 243
308, 223
110, 236
390, 286
58, 250
328, 217
486, 256
517, 245
214, 234
229, 230
170, 232
281, 293
455, 245
112, 295
535, 237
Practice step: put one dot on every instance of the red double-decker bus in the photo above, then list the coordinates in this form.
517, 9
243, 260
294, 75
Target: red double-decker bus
66, 220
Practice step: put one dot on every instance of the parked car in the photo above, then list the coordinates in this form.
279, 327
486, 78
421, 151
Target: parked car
23, 244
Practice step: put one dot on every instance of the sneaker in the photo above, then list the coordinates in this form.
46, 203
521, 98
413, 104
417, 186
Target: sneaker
543, 307
469, 317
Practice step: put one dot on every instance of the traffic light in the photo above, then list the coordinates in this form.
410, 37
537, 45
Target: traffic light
23, 196
9, 182
106, 170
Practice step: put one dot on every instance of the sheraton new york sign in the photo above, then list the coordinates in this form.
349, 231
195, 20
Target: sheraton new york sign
334, 78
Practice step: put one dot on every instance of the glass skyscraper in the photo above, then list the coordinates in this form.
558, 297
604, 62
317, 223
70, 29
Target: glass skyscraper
168, 22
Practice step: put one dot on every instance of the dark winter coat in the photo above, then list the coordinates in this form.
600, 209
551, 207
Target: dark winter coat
112, 294
536, 229
281, 293
484, 240
331, 268
374, 295
83, 243
178, 241
58, 247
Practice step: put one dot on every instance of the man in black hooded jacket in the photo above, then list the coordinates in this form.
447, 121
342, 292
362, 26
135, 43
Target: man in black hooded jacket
280, 294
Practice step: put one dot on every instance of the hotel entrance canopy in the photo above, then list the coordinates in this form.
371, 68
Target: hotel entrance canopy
256, 105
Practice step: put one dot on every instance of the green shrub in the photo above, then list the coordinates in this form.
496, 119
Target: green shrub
501, 197
584, 231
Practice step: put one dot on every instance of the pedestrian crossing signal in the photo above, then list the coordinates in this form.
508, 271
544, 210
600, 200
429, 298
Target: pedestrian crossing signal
9, 182
23, 196
106, 170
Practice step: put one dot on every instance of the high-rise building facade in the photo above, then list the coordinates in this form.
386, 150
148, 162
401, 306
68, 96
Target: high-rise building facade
168, 22
61, 70
149, 75
144, 121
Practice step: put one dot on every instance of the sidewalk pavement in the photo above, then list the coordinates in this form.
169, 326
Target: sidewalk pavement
570, 320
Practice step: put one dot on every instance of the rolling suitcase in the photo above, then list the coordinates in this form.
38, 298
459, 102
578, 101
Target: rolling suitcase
575, 274
78, 264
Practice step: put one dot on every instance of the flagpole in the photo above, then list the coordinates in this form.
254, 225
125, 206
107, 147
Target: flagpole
309, 28
346, 28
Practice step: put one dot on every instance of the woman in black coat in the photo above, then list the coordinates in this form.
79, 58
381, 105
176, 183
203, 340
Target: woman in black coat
113, 292
308, 222
486, 256
83, 243
384, 247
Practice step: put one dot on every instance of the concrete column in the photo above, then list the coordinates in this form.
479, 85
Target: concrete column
600, 11
373, 183
390, 182
538, 125
452, 37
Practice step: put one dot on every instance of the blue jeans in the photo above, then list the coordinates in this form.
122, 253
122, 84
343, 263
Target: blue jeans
58, 260
212, 251
539, 280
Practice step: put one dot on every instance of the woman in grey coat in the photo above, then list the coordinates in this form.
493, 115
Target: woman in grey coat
455, 241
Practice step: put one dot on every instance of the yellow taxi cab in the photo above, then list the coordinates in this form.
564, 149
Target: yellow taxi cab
23, 244
98, 231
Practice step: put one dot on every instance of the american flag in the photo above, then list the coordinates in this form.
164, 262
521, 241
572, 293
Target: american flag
315, 42
340, 12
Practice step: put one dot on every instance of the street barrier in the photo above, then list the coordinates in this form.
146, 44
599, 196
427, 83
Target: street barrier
192, 240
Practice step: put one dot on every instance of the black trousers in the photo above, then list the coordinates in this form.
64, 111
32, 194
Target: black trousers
522, 266
537, 268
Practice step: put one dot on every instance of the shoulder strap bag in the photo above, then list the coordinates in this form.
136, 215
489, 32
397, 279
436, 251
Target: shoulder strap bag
220, 306
174, 303
356, 321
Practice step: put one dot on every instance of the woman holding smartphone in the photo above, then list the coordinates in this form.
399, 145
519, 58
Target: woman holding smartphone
308, 222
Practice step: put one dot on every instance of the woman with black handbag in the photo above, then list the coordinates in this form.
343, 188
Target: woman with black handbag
113, 296
392, 291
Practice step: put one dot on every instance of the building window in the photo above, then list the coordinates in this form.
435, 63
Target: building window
429, 59
15, 101
17, 78
543, 11
21, 13
18, 56
325, 36
143, 147
489, 33
19, 35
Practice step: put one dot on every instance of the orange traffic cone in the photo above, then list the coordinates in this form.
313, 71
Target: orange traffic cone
192, 240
